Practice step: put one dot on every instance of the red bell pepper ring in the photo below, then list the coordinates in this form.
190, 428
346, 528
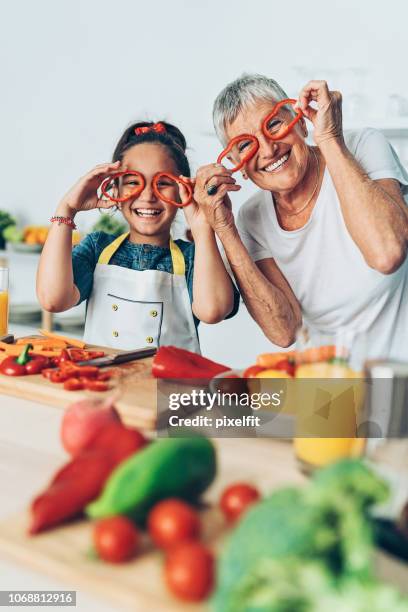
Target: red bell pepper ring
23, 364
135, 192
285, 131
173, 362
73, 384
249, 155
177, 179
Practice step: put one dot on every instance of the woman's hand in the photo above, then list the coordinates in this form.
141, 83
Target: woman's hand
327, 118
194, 215
84, 194
217, 208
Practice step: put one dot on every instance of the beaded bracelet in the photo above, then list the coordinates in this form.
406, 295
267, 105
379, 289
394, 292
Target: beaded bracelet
65, 220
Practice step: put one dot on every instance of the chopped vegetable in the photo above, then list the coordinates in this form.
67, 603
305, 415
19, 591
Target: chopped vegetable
70, 341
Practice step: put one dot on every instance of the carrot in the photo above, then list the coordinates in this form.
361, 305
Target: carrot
46, 353
269, 360
10, 349
42, 342
70, 341
322, 353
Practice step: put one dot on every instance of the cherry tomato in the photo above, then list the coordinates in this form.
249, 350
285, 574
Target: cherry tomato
252, 371
172, 521
116, 539
189, 571
73, 384
236, 499
286, 366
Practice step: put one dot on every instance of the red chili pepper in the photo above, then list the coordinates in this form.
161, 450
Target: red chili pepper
82, 479
251, 151
274, 112
73, 384
105, 375
23, 364
173, 362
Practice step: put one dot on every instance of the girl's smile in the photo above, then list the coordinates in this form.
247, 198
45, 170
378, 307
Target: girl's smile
148, 217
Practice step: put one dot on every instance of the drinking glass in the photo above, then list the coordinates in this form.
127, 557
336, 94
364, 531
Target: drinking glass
4, 300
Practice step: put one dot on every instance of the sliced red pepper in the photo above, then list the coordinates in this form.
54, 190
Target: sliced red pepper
47, 372
87, 371
81, 355
58, 376
161, 196
73, 384
105, 374
95, 385
285, 131
174, 362
252, 149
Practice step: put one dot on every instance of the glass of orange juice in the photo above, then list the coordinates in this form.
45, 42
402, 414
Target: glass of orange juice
330, 397
4, 300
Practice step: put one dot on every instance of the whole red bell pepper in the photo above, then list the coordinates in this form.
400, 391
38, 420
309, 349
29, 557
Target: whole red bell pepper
24, 364
173, 362
81, 480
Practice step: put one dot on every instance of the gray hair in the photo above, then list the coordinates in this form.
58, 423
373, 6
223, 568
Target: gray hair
240, 94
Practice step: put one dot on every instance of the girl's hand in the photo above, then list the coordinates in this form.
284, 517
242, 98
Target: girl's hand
327, 118
217, 208
84, 194
194, 215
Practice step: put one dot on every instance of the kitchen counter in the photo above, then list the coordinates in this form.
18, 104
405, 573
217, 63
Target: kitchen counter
30, 452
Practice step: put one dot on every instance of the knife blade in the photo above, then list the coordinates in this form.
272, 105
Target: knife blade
109, 360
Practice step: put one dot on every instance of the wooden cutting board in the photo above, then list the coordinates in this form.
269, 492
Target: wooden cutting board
137, 387
64, 553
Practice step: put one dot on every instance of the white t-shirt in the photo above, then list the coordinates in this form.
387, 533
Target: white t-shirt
324, 266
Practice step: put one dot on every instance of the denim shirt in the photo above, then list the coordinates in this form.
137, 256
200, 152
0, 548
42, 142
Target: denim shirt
133, 256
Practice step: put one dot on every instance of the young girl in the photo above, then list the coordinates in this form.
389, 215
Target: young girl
143, 288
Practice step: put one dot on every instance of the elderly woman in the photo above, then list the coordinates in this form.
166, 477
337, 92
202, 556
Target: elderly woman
324, 239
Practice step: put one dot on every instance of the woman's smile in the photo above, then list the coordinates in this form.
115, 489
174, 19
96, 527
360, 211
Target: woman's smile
277, 164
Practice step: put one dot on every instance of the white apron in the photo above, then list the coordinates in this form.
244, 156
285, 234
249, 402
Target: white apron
131, 309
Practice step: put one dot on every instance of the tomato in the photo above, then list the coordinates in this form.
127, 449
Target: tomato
252, 371
116, 539
73, 384
286, 366
172, 521
189, 571
236, 499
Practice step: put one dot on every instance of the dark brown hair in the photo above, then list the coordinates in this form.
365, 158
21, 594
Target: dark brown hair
171, 138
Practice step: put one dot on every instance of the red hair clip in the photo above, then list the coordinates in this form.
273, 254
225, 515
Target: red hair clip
156, 127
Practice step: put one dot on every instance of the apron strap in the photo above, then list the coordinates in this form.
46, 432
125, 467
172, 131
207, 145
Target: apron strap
110, 250
177, 257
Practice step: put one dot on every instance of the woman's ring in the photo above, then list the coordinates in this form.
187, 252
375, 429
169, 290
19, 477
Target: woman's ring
212, 189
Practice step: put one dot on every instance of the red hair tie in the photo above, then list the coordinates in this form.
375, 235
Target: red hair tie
156, 127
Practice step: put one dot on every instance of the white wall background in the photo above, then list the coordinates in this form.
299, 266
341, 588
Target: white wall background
73, 74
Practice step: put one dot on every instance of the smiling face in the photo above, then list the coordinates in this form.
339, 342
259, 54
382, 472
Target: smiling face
277, 166
149, 218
